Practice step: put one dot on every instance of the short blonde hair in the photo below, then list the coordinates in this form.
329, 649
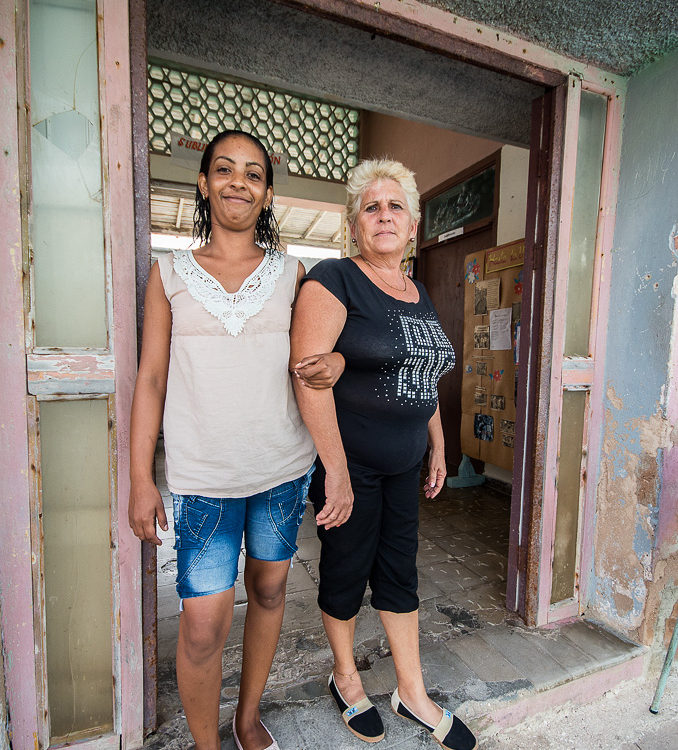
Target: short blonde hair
372, 170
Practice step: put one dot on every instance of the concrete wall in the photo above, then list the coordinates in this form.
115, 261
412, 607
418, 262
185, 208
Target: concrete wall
635, 575
261, 41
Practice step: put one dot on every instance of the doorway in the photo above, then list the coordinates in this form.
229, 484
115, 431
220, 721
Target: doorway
546, 211
464, 535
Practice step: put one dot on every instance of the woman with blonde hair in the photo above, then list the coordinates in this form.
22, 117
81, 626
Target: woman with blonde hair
371, 432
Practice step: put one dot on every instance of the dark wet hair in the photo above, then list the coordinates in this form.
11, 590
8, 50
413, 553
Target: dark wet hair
266, 232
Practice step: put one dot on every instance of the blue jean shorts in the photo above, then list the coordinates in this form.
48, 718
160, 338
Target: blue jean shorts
208, 534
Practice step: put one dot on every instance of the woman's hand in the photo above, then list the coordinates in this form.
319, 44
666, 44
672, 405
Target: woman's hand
338, 500
319, 371
145, 505
437, 471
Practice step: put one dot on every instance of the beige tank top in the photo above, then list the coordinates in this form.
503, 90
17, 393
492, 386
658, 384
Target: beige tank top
231, 424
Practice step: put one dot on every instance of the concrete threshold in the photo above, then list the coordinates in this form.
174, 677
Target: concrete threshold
612, 662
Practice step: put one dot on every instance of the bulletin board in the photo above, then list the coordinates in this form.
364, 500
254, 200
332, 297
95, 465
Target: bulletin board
493, 286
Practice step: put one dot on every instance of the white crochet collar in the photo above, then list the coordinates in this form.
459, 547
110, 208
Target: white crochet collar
232, 310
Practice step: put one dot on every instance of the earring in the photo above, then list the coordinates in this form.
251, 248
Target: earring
354, 241
411, 239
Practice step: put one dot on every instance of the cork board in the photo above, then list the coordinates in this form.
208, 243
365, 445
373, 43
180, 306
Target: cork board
493, 281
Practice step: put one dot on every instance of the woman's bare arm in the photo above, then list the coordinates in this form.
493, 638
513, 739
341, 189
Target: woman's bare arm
317, 321
437, 469
316, 370
145, 502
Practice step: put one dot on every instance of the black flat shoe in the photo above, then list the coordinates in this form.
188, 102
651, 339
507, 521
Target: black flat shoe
450, 733
361, 718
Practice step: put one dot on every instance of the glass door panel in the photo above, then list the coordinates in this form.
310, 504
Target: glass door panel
591, 137
569, 492
66, 227
77, 564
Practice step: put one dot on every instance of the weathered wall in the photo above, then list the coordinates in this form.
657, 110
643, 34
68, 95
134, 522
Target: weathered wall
635, 576
264, 42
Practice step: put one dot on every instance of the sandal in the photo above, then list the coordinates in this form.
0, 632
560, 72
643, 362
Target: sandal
273, 746
362, 718
450, 733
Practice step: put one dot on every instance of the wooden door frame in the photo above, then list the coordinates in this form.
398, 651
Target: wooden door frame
534, 368
32, 373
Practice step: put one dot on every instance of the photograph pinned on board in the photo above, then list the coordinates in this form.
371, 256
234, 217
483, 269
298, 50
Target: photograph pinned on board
480, 396
481, 367
507, 440
486, 296
508, 426
481, 337
483, 427
498, 403
480, 299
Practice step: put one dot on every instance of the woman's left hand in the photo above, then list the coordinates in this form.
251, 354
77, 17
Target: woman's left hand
319, 371
437, 471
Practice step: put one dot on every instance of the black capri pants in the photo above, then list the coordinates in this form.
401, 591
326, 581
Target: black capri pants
378, 543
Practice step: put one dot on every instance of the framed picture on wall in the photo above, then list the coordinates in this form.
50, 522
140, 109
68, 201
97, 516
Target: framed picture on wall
460, 205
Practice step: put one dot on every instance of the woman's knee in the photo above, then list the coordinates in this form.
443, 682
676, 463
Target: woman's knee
202, 638
267, 592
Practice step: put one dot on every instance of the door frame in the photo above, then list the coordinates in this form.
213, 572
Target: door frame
32, 374
444, 33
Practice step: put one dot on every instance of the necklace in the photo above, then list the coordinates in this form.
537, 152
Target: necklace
374, 268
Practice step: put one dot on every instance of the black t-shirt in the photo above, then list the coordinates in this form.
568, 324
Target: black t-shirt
395, 353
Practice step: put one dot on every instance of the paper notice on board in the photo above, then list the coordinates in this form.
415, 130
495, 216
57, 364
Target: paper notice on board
500, 328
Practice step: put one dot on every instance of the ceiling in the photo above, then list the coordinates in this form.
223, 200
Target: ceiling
622, 36
172, 213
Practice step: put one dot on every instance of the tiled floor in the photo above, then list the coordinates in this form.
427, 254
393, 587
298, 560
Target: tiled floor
472, 648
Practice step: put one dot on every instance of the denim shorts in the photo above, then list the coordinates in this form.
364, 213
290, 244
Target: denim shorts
208, 534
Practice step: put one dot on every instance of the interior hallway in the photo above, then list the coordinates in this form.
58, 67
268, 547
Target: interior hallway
473, 650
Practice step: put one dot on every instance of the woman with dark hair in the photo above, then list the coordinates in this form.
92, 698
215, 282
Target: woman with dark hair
214, 369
